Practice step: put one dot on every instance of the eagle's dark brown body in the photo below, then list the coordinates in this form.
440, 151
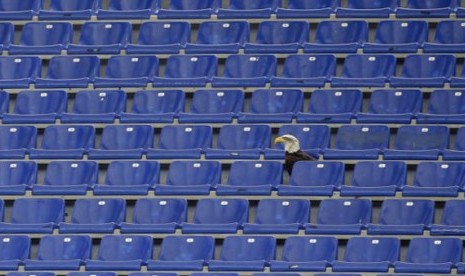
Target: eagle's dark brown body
291, 158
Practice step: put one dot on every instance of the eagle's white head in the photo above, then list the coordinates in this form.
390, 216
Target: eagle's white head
291, 143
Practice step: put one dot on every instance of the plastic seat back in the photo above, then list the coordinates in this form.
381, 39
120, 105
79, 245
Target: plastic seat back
344, 211
248, 248
190, 66
452, 213
317, 174
116, 137
100, 102
132, 173
97, 33
41, 102
244, 137
217, 101
185, 137
56, 248
223, 32
309, 66
68, 137
153, 211
15, 247
250, 66
357, 137
447, 102
406, 211
194, 173
450, 32
363, 249
10, 6
395, 101
338, 32
255, 173
459, 139
439, 174
401, 32
39, 34
64, 5
220, 211
371, 4
275, 32
269, 101
309, 249
128, 5
283, 211
379, 174
71, 67
193, 4
430, 4
4, 102
311, 4
71, 173
422, 138
20, 68
98, 211
309, 136
431, 66
156, 102
38, 210
374, 66
18, 137
434, 250
164, 33
125, 248
253, 5
132, 67
18, 173
187, 248
335, 101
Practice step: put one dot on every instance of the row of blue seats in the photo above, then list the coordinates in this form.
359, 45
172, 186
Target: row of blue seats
127, 9
97, 273
369, 178
238, 253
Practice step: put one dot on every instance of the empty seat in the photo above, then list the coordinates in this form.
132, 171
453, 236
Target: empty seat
182, 9
445, 106
338, 37
4, 102
332, 106
308, 8
366, 70
449, 38
279, 37
69, 72
7, 35
68, 177
19, 10
419, 142
452, 219
122, 252
403, 217
34, 215
127, 9
372, 178
17, 177
15, 249
392, 106
219, 215
191, 177
306, 70
427, 8
61, 253
95, 216
435, 71
431, 255
184, 253
398, 37
69, 10
160, 37
130, 143
249, 9
32, 274
279, 216
458, 81
17, 141
102, 38
273, 106
214, 106
19, 72
341, 216
37, 107
367, 8
181, 141
458, 152
95, 273
156, 216
369, 255
229, 37
129, 178
306, 254
187, 70
245, 253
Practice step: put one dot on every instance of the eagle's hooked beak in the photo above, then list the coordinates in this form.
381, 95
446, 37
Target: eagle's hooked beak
279, 140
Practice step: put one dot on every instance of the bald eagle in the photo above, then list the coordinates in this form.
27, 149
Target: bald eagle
293, 152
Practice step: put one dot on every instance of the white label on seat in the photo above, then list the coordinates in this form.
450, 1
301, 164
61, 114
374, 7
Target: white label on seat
224, 203
306, 129
431, 58
437, 242
49, 26
246, 129
371, 58
251, 240
102, 94
194, 59
166, 26
365, 129
108, 26
67, 239
101, 202
312, 241
128, 239
382, 166
347, 203
375, 242
135, 59
13, 166
226, 25
135, 165
458, 94
320, 166
17, 60
312, 58
76, 59
285, 25
190, 240
129, 129
425, 129
279, 93
163, 202
285, 203
197, 165
13, 129
161, 94
444, 166
253, 59
6, 240
43, 95
404, 24
188, 129
220, 94
398, 93
344, 24
74, 165
71, 129
338, 93
409, 203
258, 165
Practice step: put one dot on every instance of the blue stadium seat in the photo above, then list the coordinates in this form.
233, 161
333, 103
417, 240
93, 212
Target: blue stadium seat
449, 38
122, 252
367, 8
308, 8
279, 216
245, 253
431, 255
376, 178
306, 71
95, 273
369, 255
445, 107
338, 37
129, 178
241, 141
37, 107
95, 215
102, 38
366, 70
4, 103
398, 37
159, 215
341, 216
19, 10
7, 35
458, 152
427, 8
189, 9
249, 9
229, 37
130, 143
128, 71
392, 106
458, 81
93, 106
161, 38
419, 142
67, 142
437, 179
17, 177
15, 249
68, 177
182, 142
332, 106
187, 70
69, 10
43, 38
212, 274
214, 106
279, 37
452, 221
34, 215
435, 71
188, 253
191, 178
155, 106
31, 273
306, 254
252, 178
314, 179
403, 217
247, 70
128, 9
61, 253
17, 141
273, 106
70, 72
19, 72
151, 274
218, 215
